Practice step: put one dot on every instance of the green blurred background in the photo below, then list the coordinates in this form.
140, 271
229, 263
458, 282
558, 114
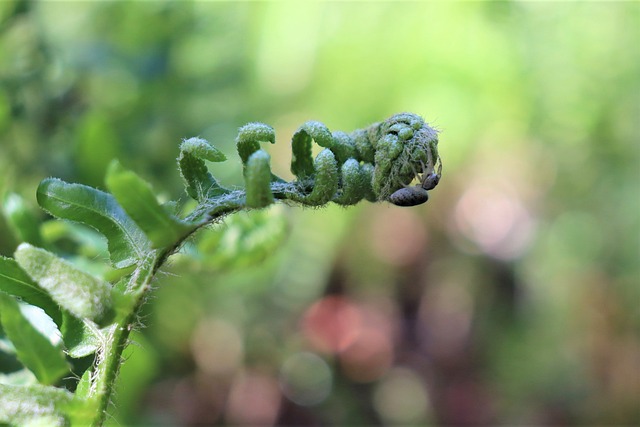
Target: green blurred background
511, 297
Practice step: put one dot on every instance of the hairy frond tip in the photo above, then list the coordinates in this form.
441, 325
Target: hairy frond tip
405, 142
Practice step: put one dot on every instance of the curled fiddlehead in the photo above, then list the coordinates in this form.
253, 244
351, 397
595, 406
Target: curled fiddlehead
377, 163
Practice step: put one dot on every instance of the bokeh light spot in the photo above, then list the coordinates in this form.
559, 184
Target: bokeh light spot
402, 398
398, 236
306, 379
217, 347
332, 324
369, 357
254, 399
495, 220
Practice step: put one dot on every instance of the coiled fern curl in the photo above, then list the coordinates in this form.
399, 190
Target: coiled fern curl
376, 163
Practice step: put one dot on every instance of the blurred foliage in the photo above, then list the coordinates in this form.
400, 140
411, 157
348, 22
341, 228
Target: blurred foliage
510, 297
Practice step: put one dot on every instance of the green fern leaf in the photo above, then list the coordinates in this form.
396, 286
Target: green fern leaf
126, 241
33, 404
136, 197
199, 183
80, 293
34, 350
14, 281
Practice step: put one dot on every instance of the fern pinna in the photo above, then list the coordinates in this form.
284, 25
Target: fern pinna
94, 315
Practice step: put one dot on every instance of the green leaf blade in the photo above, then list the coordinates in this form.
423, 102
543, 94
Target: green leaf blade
14, 281
326, 179
201, 149
21, 219
246, 239
136, 197
258, 177
21, 405
301, 160
127, 243
80, 293
199, 183
355, 183
250, 136
79, 339
33, 349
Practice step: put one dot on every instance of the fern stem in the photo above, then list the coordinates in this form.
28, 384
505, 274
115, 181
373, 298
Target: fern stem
140, 284
108, 369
